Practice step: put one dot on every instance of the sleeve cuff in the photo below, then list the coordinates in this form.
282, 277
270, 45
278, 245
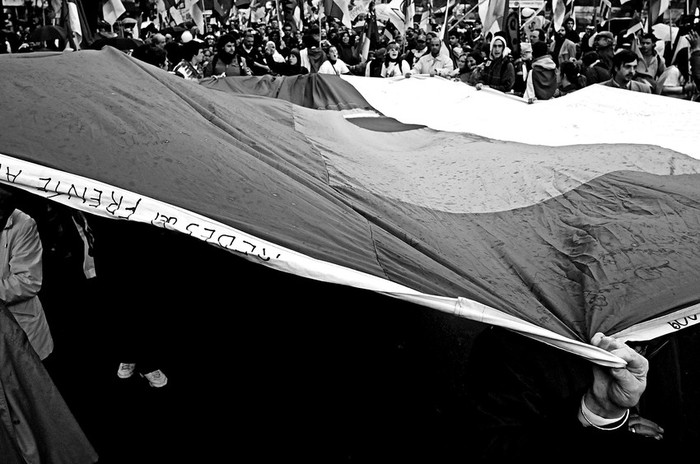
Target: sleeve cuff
588, 418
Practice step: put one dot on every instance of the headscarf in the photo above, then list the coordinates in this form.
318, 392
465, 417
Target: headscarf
506, 50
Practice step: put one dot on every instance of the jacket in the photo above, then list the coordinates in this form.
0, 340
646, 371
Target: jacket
21, 274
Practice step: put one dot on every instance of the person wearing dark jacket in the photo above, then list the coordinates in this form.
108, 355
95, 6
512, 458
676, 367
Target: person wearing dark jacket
498, 72
543, 79
292, 66
226, 62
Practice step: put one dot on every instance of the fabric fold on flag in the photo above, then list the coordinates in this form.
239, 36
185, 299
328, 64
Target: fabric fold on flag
112, 11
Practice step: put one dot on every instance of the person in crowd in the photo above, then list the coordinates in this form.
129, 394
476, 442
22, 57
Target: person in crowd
157, 40
593, 70
292, 66
152, 54
562, 48
21, 260
435, 63
570, 30
421, 48
394, 65
543, 79
537, 35
347, 49
121, 251
334, 65
190, 67
498, 72
273, 59
522, 66
375, 61
250, 55
529, 400
586, 43
650, 65
694, 53
312, 55
624, 69
226, 61
570, 78
675, 82
603, 43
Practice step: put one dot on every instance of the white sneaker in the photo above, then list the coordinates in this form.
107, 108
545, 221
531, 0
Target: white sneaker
126, 370
156, 378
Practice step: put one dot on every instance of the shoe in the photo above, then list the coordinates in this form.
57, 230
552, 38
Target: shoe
126, 370
156, 378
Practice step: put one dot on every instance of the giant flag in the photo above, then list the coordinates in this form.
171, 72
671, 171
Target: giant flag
556, 231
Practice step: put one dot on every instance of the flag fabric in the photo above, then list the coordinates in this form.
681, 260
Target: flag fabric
605, 11
426, 15
492, 14
112, 11
556, 234
394, 13
657, 8
196, 9
72, 17
561, 9
338, 9
223, 8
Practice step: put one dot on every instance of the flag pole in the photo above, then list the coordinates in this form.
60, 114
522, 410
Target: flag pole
468, 11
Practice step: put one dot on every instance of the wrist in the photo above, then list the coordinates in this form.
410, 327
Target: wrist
601, 406
589, 419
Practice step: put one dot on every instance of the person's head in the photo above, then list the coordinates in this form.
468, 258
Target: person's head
421, 41
192, 52
474, 59
539, 49
462, 61
569, 24
435, 44
498, 47
249, 40
345, 38
603, 39
332, 53
226, 45
624, 66
294, 58
570, 70
158, 40
392, 51
287, 30
537, 35
647, 43
526, 51
270, 47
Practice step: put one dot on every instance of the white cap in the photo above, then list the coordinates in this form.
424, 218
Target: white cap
186, 37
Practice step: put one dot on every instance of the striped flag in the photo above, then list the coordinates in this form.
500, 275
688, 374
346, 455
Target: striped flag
561, 9
492, 14
558, 233
112, 11
657, 8
338, 9
196, 9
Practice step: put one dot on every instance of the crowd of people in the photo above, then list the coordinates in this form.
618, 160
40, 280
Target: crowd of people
544, 64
